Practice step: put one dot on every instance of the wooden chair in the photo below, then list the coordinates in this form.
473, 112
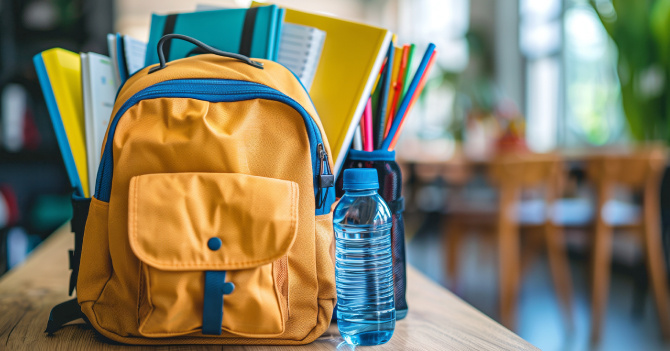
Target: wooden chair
639, 170
511, 174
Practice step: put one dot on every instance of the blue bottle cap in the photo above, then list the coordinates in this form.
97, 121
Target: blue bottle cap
360, 179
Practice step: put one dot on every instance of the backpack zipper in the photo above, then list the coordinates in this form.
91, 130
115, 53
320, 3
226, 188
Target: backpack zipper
326, 179
216, 90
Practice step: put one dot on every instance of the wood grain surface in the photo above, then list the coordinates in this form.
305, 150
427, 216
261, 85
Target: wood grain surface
437, 319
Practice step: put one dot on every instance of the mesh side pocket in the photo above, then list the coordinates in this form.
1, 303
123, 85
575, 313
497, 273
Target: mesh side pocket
390, 188
399, 274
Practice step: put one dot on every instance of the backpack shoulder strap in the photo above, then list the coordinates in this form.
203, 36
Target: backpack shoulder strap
69, 310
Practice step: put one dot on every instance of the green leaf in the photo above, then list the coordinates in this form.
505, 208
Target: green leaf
660, 28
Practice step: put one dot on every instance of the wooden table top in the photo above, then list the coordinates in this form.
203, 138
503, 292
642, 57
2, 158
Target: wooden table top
437, 319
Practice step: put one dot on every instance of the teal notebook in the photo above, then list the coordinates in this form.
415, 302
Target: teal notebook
251, 32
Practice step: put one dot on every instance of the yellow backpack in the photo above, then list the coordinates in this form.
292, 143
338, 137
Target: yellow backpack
211, 220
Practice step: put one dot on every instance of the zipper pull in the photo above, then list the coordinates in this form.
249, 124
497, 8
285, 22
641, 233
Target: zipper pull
326, 178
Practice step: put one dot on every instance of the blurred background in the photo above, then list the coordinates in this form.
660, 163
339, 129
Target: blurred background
534, 166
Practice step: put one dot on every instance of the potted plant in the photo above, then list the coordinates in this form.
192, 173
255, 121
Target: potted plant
641, 32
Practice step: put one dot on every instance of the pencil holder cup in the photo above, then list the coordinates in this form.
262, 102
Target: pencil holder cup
390, 187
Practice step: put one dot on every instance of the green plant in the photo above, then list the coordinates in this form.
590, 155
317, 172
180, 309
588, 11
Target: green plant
641, 31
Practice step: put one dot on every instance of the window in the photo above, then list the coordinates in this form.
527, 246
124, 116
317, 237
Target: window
572, 87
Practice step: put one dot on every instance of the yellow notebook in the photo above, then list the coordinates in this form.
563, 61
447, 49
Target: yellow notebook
350, 61
59, 72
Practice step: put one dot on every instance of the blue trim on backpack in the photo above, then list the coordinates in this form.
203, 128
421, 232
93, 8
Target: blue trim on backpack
212, 308
211, 90
377, 155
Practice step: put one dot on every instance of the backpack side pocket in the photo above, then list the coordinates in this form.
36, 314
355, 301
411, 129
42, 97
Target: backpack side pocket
96, 264
325, 256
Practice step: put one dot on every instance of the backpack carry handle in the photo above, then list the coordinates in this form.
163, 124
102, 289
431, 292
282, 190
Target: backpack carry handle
206, 48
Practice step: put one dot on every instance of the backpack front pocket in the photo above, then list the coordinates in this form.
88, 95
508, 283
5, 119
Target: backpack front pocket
213, 250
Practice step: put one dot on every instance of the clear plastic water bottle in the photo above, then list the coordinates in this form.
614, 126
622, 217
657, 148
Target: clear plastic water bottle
363, 267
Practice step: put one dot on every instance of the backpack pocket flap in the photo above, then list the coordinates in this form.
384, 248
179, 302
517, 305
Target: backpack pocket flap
211, 221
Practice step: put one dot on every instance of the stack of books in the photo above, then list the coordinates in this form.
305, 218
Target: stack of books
343, 65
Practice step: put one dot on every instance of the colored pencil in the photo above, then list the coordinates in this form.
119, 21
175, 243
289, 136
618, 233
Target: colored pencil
374, 87
375, 98
398, 89
408, 97
380, 115
361, 126
367, 116
405, 84
397, 58
358, 139
419, 89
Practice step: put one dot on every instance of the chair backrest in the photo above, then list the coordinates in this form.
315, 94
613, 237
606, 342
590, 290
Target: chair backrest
634, 168
526, 169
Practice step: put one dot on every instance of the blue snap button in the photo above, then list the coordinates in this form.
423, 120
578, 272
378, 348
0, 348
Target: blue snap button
228, 288
214, 244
